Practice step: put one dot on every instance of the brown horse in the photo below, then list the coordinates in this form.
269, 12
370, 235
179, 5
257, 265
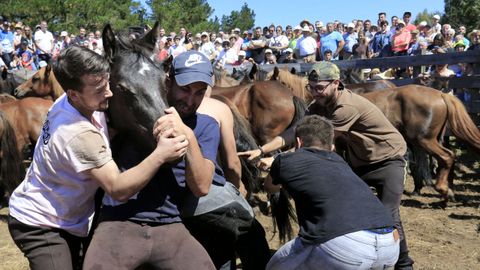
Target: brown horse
42, 84
21, 123
9, 80
269, 107
10, 160
421, 114
6, 98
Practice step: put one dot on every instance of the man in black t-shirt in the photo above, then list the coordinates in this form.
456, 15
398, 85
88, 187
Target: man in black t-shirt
343, 225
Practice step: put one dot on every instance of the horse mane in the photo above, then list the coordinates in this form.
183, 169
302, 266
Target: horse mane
295, 83
10, 161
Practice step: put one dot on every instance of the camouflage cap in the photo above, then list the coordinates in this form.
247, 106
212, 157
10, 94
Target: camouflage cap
324, 71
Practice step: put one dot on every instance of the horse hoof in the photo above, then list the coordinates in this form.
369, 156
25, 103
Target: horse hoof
450, 195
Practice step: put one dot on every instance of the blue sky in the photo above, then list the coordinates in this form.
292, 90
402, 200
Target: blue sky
285, 12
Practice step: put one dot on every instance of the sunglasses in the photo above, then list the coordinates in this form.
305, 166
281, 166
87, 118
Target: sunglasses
317, 87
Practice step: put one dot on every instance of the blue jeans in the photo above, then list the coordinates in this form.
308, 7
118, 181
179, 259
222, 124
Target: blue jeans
357, 250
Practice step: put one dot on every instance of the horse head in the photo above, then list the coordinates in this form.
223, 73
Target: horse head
41, 84
137, 83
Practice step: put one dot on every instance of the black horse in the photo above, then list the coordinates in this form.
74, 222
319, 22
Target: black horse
139, 94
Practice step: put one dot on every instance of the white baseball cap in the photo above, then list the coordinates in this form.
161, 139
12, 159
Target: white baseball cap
436, 16
289, 50
242, 53
298, 27
268, 51
351, 25
306, 28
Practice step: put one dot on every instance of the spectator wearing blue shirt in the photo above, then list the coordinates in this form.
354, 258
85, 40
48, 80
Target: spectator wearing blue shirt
6, 43
333, 41
380, 44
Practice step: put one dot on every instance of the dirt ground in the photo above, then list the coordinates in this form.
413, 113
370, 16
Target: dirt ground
439, 238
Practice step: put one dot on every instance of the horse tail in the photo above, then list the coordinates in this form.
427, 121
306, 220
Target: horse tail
282, 214
10, 160
300, 108
461, 125
244, 142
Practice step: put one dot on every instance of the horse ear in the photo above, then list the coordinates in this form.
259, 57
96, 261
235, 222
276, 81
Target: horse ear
149, 40
109, 43
4, 73
167, 64
275, 74
48, 69
293, 71
253, 71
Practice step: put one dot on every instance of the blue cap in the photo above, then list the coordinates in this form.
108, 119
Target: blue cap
192, 66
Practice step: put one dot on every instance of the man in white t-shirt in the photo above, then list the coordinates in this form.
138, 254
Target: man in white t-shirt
52, 209
44, 42
306, 46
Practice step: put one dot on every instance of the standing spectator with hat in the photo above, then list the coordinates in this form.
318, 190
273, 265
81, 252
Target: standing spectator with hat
238, 44
17, 36
333, 41
401, 39
297, 33
306, 46
351, 38
206, 47
44, 43
436, 26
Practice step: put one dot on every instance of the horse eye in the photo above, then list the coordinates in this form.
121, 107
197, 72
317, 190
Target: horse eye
35, 79
124, 89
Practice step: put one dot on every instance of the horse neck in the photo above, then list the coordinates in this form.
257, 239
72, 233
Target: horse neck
294, 83
57, 89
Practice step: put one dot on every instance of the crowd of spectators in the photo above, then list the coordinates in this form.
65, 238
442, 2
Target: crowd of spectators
304, 43
24, 47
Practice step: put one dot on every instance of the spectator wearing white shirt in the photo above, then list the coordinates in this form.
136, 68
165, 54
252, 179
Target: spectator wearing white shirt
44, 42
176, 48
227, 56
306, 46
207, 47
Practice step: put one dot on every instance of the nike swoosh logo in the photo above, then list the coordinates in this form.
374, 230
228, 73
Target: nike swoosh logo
191, 63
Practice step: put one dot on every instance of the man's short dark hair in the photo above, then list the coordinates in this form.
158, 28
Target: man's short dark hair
383, 23
327, 51
382, 13
407, 14
76, 61
315, 131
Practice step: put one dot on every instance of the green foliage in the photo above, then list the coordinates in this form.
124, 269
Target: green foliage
425, 16
458, 12
191, 14
243, 19
71, 14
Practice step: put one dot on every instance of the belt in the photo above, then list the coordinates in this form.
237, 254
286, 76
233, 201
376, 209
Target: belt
384, 230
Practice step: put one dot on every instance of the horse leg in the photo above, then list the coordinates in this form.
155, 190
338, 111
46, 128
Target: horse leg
445, 159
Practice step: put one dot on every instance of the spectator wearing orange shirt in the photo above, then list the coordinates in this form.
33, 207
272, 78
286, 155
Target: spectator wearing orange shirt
401, 39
